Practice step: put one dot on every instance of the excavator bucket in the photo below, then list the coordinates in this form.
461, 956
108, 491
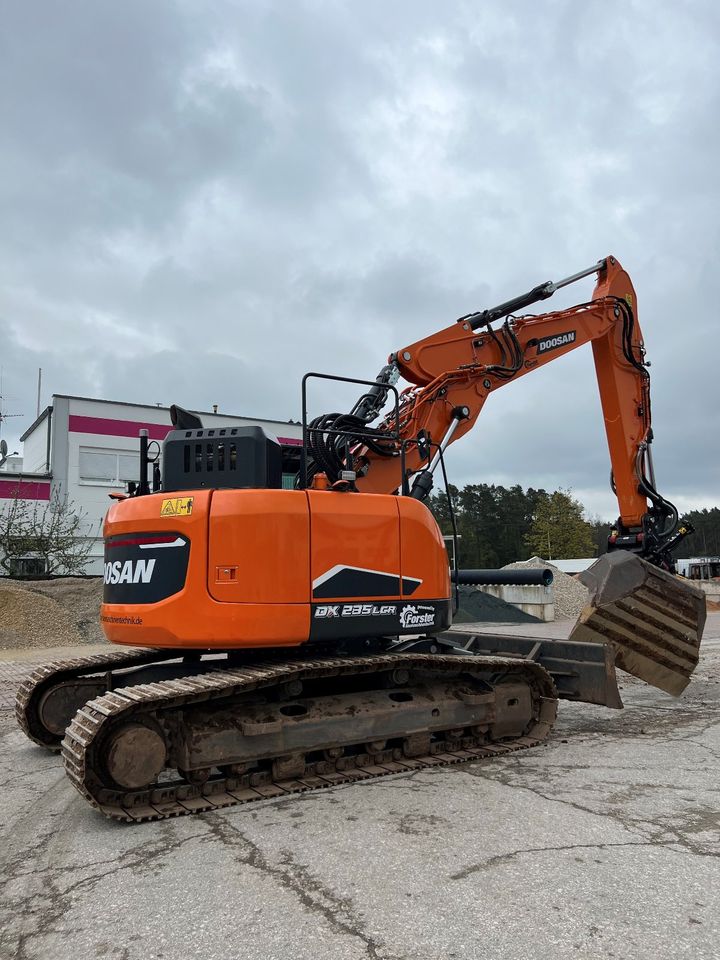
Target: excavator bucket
652, 619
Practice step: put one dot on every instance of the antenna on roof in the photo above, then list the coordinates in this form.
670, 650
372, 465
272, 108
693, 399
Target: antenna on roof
5, 416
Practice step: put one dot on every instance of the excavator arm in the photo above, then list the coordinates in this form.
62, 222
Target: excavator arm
454, 371
652, 620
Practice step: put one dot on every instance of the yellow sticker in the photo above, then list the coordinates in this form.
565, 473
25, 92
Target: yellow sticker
629, 299
177, 507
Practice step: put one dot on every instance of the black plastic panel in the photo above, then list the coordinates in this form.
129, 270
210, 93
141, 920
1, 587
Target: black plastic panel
145, 567
221, 458
340, 621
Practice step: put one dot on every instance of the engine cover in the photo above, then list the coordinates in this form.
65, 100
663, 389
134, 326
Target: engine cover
233, 569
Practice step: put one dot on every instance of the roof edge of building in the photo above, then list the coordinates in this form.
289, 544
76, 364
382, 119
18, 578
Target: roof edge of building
155, 406
24, 476
36, 423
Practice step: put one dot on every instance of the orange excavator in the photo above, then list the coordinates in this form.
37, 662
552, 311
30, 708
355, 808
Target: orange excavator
291, 639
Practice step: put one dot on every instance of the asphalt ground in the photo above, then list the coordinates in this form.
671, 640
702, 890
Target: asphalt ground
605, 842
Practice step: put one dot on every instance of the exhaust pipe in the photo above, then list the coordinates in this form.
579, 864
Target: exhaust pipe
512, 578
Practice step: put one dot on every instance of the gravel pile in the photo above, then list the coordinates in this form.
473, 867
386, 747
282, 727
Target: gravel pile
569, 595
479, 607
50, 613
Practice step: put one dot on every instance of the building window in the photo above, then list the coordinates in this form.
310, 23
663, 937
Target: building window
108, 466
27, 567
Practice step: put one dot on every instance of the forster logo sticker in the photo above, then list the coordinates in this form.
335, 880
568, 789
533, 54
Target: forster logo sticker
417, 616
329, 610
131, 571
554, 343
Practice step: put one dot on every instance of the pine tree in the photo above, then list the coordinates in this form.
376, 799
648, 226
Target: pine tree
601, 530
559, 529
705, 542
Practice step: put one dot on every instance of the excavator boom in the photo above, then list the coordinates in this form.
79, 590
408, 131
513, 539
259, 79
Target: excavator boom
454, 371
654, 622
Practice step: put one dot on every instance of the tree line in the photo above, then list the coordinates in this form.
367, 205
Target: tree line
499, 525
705, 542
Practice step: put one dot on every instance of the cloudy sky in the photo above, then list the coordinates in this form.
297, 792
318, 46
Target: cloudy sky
199, 202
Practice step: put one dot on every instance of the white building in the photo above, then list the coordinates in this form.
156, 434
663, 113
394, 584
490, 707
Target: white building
86, 449
699, 568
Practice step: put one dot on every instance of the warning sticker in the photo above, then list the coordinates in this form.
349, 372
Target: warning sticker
177, 507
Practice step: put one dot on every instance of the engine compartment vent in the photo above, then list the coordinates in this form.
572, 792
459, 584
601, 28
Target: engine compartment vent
242, 457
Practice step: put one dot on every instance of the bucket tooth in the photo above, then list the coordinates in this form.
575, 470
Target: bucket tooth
652, 619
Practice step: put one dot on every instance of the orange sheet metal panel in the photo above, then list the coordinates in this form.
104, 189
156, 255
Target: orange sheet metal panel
259, 547
191, 618
354, 542
422, 551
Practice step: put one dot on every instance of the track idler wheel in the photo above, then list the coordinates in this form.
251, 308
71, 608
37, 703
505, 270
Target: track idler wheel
135, 754
60, 703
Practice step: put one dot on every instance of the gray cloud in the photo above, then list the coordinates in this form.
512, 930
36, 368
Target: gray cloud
199, 202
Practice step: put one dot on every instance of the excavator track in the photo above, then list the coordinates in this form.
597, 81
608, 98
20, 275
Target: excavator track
30, 693
125, 722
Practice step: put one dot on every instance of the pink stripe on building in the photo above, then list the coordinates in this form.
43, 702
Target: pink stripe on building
25, 489
116, 428
130, 428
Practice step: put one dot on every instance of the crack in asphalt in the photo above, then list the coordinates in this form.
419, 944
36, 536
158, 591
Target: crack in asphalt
666, 834
11, 781
53, 901
298, 880
491, 862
